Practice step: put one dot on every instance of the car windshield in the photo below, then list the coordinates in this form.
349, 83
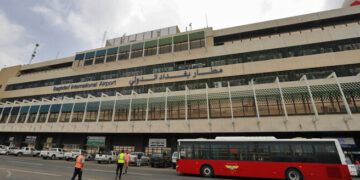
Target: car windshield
75, 150
52, 149
156, 155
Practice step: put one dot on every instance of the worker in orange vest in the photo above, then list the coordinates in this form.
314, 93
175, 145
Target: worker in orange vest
127, 161
80, 160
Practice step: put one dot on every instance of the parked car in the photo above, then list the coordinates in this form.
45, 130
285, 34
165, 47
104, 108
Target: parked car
75, 153
174, 158
4, 150
54, 153
145, 160
351, 166
36, 153
108, 157
11, 150
160, 160
25, 151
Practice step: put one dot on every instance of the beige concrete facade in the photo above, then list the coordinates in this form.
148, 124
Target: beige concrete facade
299, 123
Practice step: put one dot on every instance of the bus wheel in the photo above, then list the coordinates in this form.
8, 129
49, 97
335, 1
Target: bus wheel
207, 171
293, 174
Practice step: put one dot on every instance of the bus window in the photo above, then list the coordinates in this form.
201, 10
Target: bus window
186, 151
280, 152
252, 151
220, 152
235, 152
327, 153
201, 151
263, 152
243, 152
308, 152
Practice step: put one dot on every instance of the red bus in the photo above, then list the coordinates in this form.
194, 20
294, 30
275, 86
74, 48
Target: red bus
263, 157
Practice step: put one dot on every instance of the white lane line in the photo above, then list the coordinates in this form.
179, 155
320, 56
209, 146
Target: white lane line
132, 173
23, 162
8, 173
32, 172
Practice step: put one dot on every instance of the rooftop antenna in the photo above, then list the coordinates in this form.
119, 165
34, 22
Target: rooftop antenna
123, 38
34, 53
104, 38
206, 21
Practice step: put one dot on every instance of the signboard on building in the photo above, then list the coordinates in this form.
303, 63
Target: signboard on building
157, 142
30, 139
49, 140
96, 140
11, 139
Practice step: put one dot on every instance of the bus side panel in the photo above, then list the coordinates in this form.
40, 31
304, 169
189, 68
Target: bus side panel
325, 171
187, 166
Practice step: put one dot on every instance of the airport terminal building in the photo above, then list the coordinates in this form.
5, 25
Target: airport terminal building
292, 77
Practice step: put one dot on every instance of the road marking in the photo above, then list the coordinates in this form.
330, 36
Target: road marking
33, 172
132, 173
23, 162
8, 173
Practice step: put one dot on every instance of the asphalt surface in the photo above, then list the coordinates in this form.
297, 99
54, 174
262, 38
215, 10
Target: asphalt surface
30, 168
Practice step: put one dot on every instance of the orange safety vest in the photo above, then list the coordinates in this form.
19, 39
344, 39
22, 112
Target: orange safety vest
79, 163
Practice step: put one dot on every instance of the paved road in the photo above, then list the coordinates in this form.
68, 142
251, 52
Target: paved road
29, 168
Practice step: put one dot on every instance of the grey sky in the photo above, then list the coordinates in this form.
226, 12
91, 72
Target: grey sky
64, 27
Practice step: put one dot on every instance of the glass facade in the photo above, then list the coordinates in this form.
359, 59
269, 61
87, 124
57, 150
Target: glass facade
216, 105
304, 50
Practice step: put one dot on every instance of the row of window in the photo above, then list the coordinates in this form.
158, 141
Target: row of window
319, 48
149, 48
290, 29
293, 75
304, 152
326, 102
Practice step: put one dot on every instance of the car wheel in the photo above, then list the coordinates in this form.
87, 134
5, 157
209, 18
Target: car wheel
99, 162
19, 154
53, 157
293, 174
174, 166
207, 171
109, 161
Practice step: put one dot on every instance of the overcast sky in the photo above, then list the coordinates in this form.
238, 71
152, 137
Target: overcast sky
64, 27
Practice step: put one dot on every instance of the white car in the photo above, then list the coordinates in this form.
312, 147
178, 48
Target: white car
144, 159
4, 150
351, 167
11, 150
174, 158
54, 153
108, 157
25, 151
75, 153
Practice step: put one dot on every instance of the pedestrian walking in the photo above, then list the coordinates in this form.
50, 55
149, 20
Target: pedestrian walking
127, 162
80, 160
138, 161
120, 164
